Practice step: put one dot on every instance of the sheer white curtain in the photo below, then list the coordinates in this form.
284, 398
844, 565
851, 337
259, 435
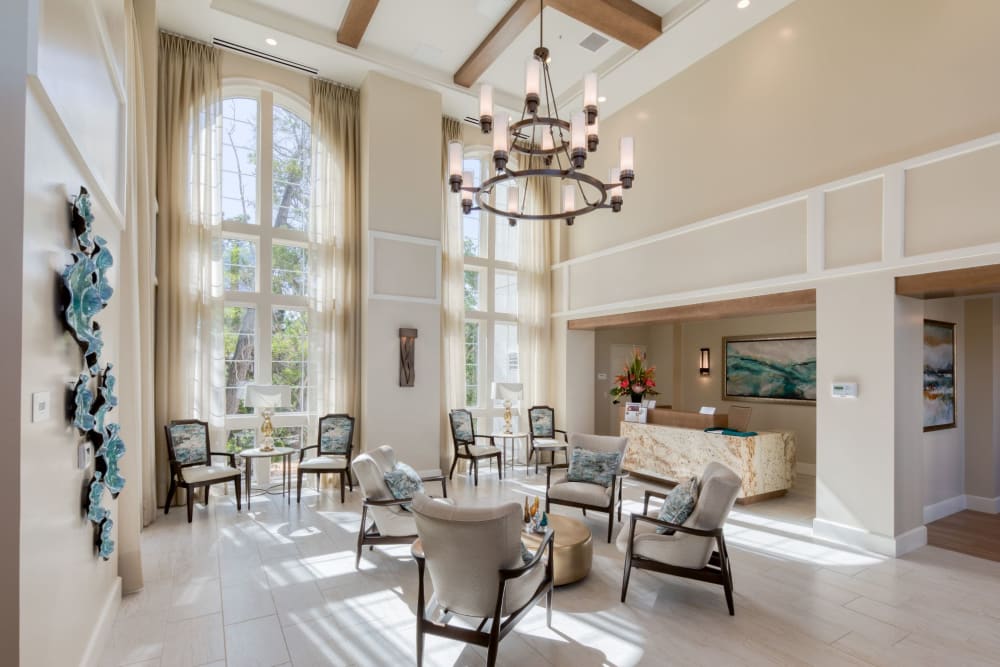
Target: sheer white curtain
452, 296
334, 254
189, 353
533, 295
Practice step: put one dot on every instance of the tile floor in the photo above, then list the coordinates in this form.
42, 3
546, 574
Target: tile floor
277, 586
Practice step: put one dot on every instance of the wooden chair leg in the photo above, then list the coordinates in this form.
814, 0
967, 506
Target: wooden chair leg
361, 535
239, 503
475, 471
451, 473
342, 485
206, 494
611, 522
170, 495
628, 571
299, 485
190, 499
500, 466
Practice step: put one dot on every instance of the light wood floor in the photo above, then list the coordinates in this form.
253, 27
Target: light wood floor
968, 532
277, 586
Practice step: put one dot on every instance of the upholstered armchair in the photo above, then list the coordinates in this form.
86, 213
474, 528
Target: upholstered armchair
463, 435
391, 522
694, 550
474, 558
334, 442
542, 437
560, 489
190, 453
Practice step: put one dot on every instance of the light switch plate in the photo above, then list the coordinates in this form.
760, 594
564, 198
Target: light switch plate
40, 408
602, 376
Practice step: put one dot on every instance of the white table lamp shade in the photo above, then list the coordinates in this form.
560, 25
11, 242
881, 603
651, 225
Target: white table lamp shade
269, 396
508, 391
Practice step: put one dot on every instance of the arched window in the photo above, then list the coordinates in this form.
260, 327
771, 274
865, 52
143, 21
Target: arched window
491, 259
266, 184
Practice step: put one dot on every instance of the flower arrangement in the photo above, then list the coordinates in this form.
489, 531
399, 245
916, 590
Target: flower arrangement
637, 381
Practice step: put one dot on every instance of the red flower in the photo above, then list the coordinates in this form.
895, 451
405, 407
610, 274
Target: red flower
624, 384
650, 383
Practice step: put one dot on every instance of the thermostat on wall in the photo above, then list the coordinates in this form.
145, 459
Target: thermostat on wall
844, 389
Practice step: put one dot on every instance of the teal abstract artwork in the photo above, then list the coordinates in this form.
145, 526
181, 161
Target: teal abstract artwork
771, 368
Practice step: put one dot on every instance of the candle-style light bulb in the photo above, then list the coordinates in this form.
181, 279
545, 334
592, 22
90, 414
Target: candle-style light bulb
532, 83
468, 181
455, 165
590, 96
569, 201
486, 107
500, 137
614, 179
626, 161
578, 140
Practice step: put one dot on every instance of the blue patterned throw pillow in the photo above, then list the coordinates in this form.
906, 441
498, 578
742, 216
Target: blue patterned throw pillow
403, 481
594, 467
678, 505
526, 554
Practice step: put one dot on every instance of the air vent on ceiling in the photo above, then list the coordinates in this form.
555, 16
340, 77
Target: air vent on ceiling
594, 41
247, 51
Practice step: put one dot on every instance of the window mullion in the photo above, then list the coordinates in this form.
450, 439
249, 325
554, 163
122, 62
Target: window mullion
264, 176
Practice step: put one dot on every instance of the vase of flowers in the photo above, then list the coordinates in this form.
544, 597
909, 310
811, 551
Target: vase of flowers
636, 382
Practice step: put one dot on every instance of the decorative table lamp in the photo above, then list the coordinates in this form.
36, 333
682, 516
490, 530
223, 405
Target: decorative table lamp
507, 392
265, 398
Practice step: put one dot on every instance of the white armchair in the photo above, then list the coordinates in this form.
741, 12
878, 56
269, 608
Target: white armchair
559, 490
391, 524
694, 550
474, 558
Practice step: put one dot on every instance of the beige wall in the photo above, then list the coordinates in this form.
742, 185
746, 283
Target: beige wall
819, 91
75, 129
980, 398
401, 198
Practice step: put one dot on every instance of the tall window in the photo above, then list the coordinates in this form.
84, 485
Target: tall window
265, 217
491, 256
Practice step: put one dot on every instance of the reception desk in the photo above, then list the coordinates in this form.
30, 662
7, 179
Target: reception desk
668, 417
765, 462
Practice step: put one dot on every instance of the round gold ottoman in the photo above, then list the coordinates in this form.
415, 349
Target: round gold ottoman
573, 548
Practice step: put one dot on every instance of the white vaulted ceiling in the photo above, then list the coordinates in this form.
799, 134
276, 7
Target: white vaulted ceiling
427, 41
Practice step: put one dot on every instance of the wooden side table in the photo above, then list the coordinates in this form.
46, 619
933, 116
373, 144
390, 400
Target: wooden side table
286, 470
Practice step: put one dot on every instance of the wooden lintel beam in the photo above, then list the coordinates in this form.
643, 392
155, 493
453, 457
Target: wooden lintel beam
957, 282
503, 35
767, 304
355, 22
624, 20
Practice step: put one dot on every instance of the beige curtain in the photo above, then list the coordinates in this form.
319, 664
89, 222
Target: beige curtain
137, 503
452, 296
533, 294
335, 253
189, 353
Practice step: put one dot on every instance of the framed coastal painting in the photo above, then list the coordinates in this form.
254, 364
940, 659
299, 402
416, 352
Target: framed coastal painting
939, 375
777, 368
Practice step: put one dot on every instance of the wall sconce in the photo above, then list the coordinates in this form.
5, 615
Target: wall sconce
407, 373
703, 367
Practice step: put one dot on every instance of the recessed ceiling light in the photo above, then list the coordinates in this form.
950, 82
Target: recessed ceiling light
271, 41
742, 4
602, 99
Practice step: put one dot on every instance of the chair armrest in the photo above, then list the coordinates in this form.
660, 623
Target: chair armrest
483, 437
565, 437
548, 473
228, 455
438, 478
417, 550
516, 572
651, 494
387, 503
303, 450
717, 532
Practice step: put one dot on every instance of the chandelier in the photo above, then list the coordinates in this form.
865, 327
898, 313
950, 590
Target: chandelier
552, 148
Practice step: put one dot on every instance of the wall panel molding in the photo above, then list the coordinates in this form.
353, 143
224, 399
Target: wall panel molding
431, 296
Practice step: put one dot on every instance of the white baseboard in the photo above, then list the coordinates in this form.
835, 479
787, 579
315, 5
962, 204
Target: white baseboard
806, 469
981, 504
874, 542
946, 507
101, 637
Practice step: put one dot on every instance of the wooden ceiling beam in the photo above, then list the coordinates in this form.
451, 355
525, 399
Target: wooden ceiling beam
767, 304
624, 20
355, 22
502, 36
